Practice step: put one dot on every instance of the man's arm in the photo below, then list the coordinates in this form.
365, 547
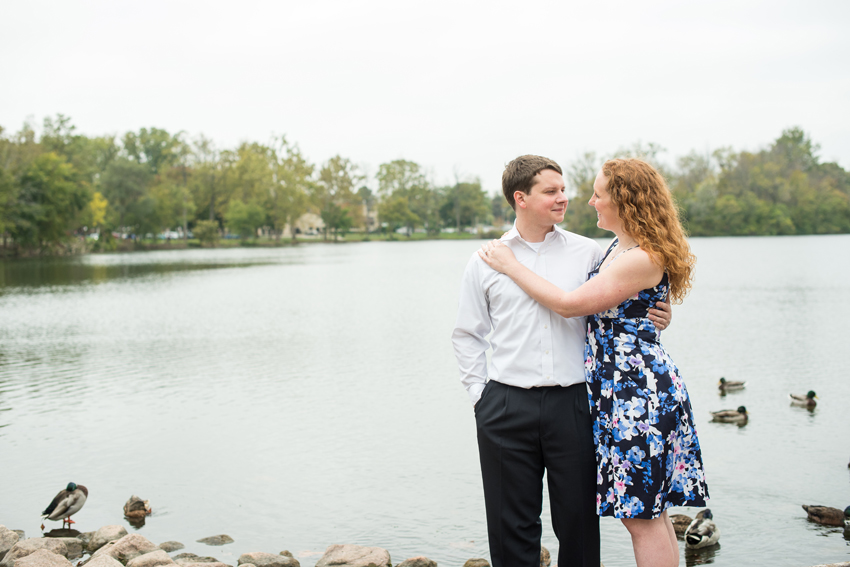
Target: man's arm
661, 315
471, 326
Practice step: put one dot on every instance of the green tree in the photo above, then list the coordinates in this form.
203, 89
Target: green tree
124, 184
244, 218
207, 232
335, 190
466, 204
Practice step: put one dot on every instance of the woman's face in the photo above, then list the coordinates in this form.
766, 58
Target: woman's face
606, 211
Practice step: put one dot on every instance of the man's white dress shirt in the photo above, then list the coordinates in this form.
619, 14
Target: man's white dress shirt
532, 346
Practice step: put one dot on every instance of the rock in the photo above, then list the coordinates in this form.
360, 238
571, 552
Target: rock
135, 507
8, 538
170, 546
74, 547
85, 537
287, 553
127, 548
103, 561
152, 559
216, 564
476, 563
31, 545
104, 535
222, 539
184, 558
261, 559
20, 533
417, 562
43, 558
354, 556
545, 558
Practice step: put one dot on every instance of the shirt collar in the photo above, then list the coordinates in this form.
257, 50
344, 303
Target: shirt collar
513, 234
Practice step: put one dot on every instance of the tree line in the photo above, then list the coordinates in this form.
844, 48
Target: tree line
782, 189
59, 185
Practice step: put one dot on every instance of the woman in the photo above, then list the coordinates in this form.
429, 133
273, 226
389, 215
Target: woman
647, 452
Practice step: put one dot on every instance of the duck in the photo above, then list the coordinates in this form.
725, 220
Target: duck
702, 532
680, 524
807, 401
67, 503
827, 516
739, 415
729, 386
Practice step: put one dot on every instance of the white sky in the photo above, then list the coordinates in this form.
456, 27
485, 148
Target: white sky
459, 87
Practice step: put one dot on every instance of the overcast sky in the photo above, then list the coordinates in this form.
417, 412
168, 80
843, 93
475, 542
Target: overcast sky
460, 87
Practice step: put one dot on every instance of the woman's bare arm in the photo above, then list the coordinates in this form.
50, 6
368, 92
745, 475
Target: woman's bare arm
631, 273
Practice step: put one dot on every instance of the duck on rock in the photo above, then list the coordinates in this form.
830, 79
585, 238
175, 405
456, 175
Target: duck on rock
67, 503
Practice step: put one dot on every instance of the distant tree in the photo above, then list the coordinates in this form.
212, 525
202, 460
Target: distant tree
124, 183
244, 218
335, 190
289, 195
466, 204
206, 231
395, 212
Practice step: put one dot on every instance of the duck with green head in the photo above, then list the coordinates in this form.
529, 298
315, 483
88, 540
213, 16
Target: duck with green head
807, 401
67, 503
739, 416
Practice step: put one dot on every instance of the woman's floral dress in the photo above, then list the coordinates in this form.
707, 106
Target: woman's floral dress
647, 452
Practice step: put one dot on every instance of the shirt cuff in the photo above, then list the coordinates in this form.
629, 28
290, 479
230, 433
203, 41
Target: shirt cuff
474, 392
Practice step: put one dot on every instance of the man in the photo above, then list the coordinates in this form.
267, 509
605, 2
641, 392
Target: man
532, 410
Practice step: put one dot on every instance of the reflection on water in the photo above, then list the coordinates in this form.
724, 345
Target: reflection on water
704, 556
305, 396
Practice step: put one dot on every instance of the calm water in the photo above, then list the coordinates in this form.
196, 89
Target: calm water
295, 398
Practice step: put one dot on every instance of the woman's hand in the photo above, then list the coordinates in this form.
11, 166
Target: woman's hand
498, 256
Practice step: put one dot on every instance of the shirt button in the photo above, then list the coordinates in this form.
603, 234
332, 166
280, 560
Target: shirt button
545, 326
547, 352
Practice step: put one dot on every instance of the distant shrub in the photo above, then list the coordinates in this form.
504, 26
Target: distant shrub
206, 232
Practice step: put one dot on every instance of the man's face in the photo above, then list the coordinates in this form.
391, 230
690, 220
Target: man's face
547, 201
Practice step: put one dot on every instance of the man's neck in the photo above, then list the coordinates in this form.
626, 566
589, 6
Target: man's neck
531, 232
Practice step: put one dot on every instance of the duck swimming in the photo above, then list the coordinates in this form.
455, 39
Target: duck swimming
739, 416
702, 532
728, 386
807, 401
67, 503
827, 516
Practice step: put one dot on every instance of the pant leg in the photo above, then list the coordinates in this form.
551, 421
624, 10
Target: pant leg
570, 461
512, 469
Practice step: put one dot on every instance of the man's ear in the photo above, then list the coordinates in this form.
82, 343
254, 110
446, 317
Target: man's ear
519, 198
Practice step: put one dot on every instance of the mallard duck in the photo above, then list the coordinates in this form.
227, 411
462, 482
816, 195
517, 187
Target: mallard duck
807, 401
680, 524
728, 386
702, 532
67, 503
827, 516
739, 415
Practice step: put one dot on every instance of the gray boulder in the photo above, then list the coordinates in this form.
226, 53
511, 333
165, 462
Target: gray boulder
184, 558
85, 537
104, 535
222, 539
103, 561
170, 546
31, 545
355, 556
43, 558
545, 557
8, 539
152, 559
261, 559
214, 564
417, 562
478, 562
74, 547
127, 548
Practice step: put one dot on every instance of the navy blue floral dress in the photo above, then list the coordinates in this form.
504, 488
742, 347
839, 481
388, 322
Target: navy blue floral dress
647, 452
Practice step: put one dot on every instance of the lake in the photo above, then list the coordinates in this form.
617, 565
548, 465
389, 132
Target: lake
299, 397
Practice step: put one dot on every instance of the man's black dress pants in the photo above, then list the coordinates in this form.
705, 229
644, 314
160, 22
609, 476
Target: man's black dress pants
521, 433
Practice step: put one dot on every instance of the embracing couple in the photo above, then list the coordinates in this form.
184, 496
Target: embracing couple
578, 384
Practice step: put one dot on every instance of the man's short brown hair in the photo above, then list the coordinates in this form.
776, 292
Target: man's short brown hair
520, 173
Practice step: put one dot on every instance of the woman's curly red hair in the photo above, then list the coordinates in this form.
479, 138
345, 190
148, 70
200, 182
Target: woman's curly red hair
650, 216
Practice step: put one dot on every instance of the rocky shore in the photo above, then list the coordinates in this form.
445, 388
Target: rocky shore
112, 546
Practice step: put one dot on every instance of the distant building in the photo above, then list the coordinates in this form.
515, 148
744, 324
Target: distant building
308, 224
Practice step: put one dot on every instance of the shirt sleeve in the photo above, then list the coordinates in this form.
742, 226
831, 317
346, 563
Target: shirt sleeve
472, 325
